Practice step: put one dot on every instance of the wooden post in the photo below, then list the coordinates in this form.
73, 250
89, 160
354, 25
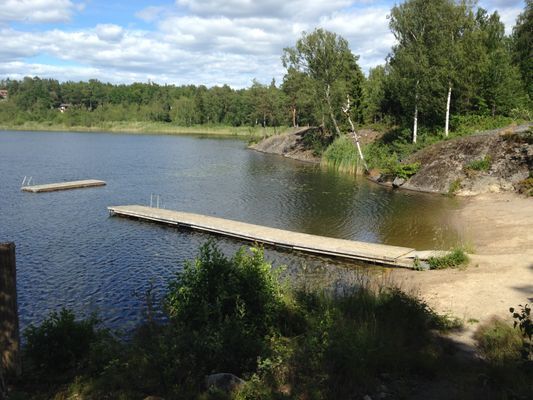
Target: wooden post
9, 320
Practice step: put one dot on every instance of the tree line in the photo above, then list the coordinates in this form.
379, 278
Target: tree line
450, 58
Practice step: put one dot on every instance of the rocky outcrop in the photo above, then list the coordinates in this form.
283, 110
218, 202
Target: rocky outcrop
450, 166
291, 144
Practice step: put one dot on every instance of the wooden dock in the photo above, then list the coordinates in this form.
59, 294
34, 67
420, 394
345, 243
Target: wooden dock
52, 187
362, 251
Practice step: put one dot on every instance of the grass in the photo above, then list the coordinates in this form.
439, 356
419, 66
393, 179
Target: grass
342, 156
455, 258
480, 165
498, 342
145, 127
454, 187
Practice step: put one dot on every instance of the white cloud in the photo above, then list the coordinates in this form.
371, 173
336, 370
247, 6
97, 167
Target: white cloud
109, 32
288, 9
37, 11
367, 31
508, 10
150, 14
200, 42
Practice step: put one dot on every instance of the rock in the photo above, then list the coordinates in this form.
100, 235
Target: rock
374, 174
367, 397
224, 381
397, 182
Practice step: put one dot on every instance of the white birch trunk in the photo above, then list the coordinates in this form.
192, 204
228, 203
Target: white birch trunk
415, 118
415, 124
447, 123
355, 135
332, 116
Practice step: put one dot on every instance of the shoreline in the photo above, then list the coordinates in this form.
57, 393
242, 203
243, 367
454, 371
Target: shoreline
500, 273
145, 128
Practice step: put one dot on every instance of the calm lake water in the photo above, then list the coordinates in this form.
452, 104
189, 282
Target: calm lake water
71, 253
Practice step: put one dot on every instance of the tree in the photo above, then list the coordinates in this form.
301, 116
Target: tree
326, 59
501, 86
410, 23
374, 94
523, 46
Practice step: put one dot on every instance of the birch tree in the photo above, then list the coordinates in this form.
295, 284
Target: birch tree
327, 60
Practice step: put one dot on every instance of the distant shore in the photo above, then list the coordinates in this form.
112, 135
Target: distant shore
156, 128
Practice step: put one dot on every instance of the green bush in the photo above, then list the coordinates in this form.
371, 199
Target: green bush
405, 171
224, 310
498, 342
60, 343
453, 259
351, 339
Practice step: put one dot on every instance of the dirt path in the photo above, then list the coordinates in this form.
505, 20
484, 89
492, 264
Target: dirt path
500, 274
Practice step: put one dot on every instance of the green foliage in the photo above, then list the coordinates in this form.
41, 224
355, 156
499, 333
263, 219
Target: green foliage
321, 63
455, 258
342, 155
61, 343
353, 338
224, 310
96, 104
317, 140
522, 45
480, 165
405, 171
522, 320
498, 342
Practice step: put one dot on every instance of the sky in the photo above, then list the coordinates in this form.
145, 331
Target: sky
209, 42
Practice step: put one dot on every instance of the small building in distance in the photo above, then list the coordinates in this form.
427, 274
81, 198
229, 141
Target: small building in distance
4, 94
64, 107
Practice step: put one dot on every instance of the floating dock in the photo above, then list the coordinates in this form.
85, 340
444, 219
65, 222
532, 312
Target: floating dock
361, 251
52, 187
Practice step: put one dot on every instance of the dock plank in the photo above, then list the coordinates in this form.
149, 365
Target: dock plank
363, 251
52, 187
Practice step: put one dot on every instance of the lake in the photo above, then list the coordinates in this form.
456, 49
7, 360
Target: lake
70, 253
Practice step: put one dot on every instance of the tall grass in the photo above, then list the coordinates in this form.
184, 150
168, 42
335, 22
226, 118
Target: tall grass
146, 127
342, 156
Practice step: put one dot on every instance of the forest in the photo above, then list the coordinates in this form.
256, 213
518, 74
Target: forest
451, 60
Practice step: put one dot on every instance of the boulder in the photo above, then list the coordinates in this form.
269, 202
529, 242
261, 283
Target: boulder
397, 182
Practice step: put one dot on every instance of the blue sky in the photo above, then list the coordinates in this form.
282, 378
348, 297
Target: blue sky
210, 42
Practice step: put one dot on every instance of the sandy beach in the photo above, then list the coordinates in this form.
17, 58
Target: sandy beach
500, 273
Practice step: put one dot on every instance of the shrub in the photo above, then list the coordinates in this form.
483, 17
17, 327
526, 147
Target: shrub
223, 311
405, 171
353, 338
454, 258
60, 343
498, 342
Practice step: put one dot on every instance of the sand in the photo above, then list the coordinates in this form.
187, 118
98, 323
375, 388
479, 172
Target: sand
500, 273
